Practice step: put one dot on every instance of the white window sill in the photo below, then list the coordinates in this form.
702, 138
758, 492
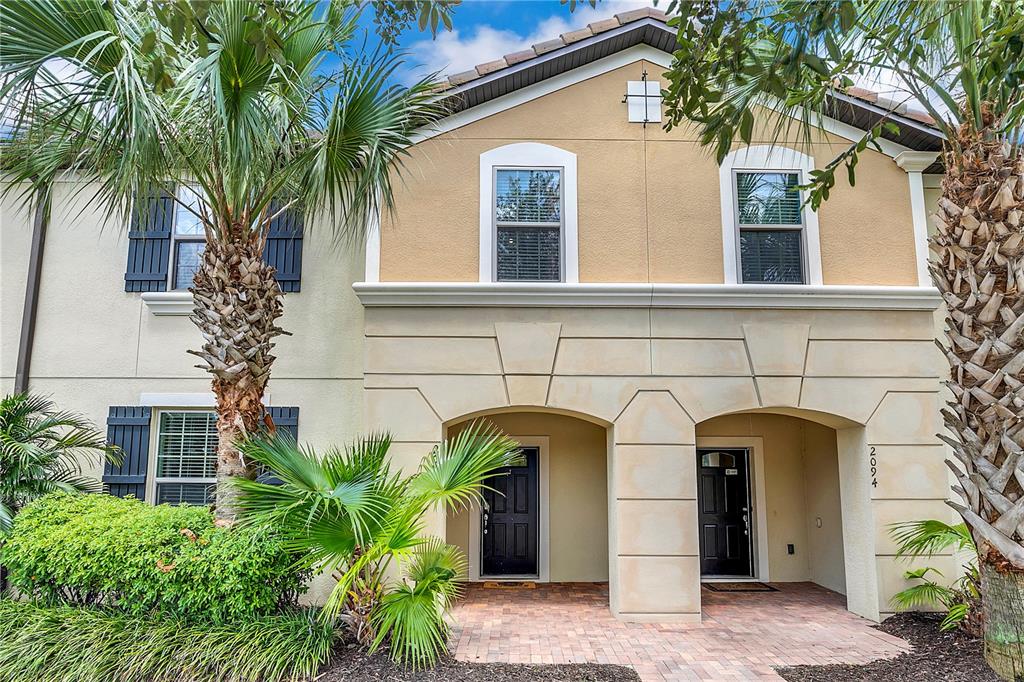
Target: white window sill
517, 294
168, 302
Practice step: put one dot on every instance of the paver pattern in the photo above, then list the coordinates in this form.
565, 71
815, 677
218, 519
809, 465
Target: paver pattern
743, 636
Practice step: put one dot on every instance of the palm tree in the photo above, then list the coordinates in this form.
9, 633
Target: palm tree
964, 61
350, 513
42, 450
235, 100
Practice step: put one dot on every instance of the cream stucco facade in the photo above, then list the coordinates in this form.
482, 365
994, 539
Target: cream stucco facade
650, 352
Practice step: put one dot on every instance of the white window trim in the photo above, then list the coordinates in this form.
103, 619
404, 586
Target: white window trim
542, 443
765, 158
529, 155
186, 402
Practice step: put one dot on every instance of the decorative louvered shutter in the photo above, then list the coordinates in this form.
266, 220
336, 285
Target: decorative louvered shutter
128, 428
286, 420
284, 248
149, 244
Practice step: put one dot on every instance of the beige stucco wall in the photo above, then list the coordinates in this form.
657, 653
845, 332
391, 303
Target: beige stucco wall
577, 494
801, 485
97, 345
648, 199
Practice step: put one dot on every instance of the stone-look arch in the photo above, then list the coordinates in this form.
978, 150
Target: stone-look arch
653, 374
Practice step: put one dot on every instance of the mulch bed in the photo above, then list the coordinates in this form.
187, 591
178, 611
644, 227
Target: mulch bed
353, 666
947, 656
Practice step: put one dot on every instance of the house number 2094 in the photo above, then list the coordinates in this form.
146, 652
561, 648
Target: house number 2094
873, 461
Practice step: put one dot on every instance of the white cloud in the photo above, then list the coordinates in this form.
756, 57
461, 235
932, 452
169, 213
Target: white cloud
460, 50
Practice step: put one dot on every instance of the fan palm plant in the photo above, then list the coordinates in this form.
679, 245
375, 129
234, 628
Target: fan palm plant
351, 513
42, 450
962, 600
234, 99
963, 60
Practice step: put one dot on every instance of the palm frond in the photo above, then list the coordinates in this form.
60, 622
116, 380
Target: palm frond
929, 537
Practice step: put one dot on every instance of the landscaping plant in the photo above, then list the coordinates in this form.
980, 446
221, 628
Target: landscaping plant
354, 513
42, 450
260, 105
148, 561
86, 644
963, 60
962, 599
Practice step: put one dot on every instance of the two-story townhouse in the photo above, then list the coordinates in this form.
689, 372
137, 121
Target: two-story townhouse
708, 378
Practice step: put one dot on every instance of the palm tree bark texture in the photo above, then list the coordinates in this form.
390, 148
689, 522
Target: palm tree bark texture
237, 303
978, 265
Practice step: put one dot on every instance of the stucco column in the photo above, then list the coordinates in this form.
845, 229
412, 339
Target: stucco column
655, 555
914, 163
858, 522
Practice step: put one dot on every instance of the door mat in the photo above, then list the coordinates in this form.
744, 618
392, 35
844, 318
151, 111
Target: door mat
740, 587
495, 585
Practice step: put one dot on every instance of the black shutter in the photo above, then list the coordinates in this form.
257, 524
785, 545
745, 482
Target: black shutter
128, 428
286, 420
149, 244
284, 248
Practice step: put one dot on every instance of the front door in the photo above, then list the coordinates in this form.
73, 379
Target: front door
724, 512
509, 520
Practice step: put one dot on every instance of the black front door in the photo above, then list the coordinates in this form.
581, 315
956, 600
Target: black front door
724, 512
509, 520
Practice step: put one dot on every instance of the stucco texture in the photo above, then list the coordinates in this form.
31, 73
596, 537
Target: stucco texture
648, 204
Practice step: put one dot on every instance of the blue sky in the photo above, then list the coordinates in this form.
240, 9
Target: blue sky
488, 29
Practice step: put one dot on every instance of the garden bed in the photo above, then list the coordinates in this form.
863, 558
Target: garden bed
948, 656
354, 666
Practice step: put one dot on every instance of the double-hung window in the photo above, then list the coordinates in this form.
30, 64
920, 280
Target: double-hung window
189, 238
770, 221
186, 457
528, 219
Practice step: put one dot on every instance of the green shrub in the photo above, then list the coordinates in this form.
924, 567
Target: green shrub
87, 644
146, 560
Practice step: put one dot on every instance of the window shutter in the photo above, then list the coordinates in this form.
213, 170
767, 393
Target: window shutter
286, 419
284, 248
128, 428
149, 244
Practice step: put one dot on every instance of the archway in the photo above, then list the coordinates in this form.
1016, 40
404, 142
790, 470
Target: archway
560, 528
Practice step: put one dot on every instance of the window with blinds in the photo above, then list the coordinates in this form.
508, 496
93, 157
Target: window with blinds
186, 458
528, 224
770, 218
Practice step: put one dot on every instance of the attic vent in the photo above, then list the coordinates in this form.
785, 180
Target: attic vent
643, 100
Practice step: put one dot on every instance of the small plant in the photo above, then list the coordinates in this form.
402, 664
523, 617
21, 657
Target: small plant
962, 599
42, 450
99, 550
351, 513
87, 644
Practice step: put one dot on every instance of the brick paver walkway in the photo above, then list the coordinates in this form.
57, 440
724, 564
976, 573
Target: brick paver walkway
742, 636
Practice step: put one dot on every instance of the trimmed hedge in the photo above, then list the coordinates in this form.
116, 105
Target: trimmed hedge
147, 561
86, 644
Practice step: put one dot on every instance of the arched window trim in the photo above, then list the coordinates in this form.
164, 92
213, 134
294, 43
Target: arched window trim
765, 158
529, 154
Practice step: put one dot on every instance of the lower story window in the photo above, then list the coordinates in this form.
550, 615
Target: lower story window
186, 458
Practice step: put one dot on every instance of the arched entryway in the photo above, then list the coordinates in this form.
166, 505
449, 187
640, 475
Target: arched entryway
548, 521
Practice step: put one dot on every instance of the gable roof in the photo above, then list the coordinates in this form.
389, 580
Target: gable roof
461, 91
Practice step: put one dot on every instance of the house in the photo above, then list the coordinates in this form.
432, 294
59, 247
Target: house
708, 378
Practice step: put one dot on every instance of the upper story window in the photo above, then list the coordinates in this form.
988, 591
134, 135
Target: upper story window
770, 222
768, 235
528, 224
189, 238
186, 457
528, 214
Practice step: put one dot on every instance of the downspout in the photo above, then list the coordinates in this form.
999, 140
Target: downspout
35, 269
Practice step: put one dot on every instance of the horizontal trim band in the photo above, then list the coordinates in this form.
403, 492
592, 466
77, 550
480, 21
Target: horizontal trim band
538, 294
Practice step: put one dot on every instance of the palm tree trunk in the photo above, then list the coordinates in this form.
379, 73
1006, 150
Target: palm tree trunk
979, 268
237, 303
